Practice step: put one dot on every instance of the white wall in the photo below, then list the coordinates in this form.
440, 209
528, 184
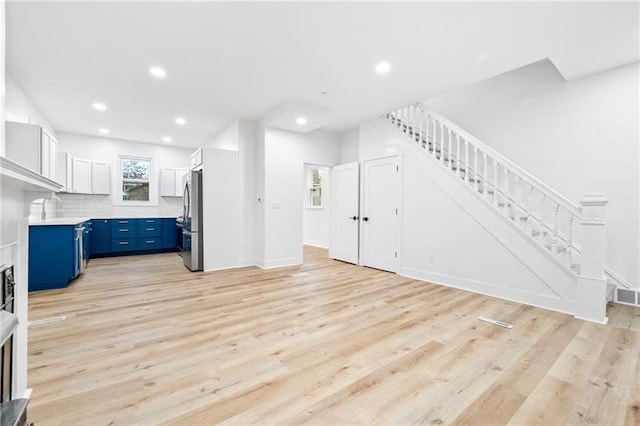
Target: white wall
2, 76
285, 155
350, 142
317, 220
108, 150
241, 136
20, 108
577, 136
372, 144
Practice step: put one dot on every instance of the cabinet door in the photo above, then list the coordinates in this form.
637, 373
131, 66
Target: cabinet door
100, 178
45, 154
53, 159
181, 173
69, 172
81, 176
169, 233
100, 236
167, 182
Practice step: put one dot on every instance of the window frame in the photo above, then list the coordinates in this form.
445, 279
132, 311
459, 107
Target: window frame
312, 186
120, 181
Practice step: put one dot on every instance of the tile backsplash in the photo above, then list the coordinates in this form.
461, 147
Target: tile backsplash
97, 206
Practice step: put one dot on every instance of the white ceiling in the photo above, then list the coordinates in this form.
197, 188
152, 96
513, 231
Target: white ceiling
244, 60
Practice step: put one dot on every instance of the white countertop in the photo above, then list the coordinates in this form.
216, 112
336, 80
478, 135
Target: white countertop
77, 220
61, 221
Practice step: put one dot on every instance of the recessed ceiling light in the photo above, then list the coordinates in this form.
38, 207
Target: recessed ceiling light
383, 67
181, 121
166, 139
104, 131
99, 106
301, 121
158, 72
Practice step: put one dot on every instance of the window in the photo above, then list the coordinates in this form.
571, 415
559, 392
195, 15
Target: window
135, 173
315, 187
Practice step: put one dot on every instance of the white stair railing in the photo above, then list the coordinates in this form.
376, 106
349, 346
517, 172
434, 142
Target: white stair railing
549, 218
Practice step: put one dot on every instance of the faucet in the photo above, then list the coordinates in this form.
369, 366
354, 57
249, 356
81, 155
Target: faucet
43, 213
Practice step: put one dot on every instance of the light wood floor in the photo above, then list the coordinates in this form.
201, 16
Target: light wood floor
147, 342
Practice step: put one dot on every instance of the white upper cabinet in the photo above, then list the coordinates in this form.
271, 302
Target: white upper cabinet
196, 159
33, 147
81, 176
181, 174
64, 174
100, 178
167, 182
171, 181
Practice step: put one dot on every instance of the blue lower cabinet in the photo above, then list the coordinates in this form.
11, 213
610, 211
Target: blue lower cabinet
100, 240
169, 234
123, 244
53, 256
149, 243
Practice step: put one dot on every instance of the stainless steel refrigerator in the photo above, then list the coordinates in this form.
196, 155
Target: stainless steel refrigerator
192, 225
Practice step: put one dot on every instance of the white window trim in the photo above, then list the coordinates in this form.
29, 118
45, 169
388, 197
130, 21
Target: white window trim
117, 195
310, 186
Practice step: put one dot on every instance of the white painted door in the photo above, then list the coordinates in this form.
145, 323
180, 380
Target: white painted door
345, 223
379, 214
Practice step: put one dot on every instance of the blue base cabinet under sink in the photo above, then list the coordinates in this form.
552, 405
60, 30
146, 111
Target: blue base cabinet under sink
53, 256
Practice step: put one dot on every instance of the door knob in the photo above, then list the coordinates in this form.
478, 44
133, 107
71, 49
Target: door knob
354, 218
366, 219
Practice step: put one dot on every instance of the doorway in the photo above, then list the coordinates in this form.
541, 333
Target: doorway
316, 205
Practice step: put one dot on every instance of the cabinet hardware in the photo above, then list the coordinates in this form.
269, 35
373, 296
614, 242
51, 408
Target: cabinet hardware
123, 243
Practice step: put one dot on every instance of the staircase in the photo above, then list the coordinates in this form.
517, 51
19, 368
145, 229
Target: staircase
572, 234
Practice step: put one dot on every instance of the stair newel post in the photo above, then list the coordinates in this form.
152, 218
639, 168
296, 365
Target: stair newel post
555, 240
592, 285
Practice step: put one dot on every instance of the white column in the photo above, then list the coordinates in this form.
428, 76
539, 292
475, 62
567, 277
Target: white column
591, 303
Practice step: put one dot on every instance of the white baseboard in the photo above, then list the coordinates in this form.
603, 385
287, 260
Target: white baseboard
493, 290
317, 244
281, 263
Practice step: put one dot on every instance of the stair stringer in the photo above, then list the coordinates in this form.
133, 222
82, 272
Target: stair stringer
465, 242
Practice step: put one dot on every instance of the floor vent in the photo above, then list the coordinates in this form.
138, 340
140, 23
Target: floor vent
629, 297
495, 322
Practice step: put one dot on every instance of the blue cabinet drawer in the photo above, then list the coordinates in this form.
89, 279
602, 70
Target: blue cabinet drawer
123, 231
149, 231
148, 222
123, 244
122, 222
149, 243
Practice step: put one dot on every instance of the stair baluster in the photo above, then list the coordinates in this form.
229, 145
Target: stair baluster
555, 240
441, 142
569, 250
458, 167
529, 222
495, 182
